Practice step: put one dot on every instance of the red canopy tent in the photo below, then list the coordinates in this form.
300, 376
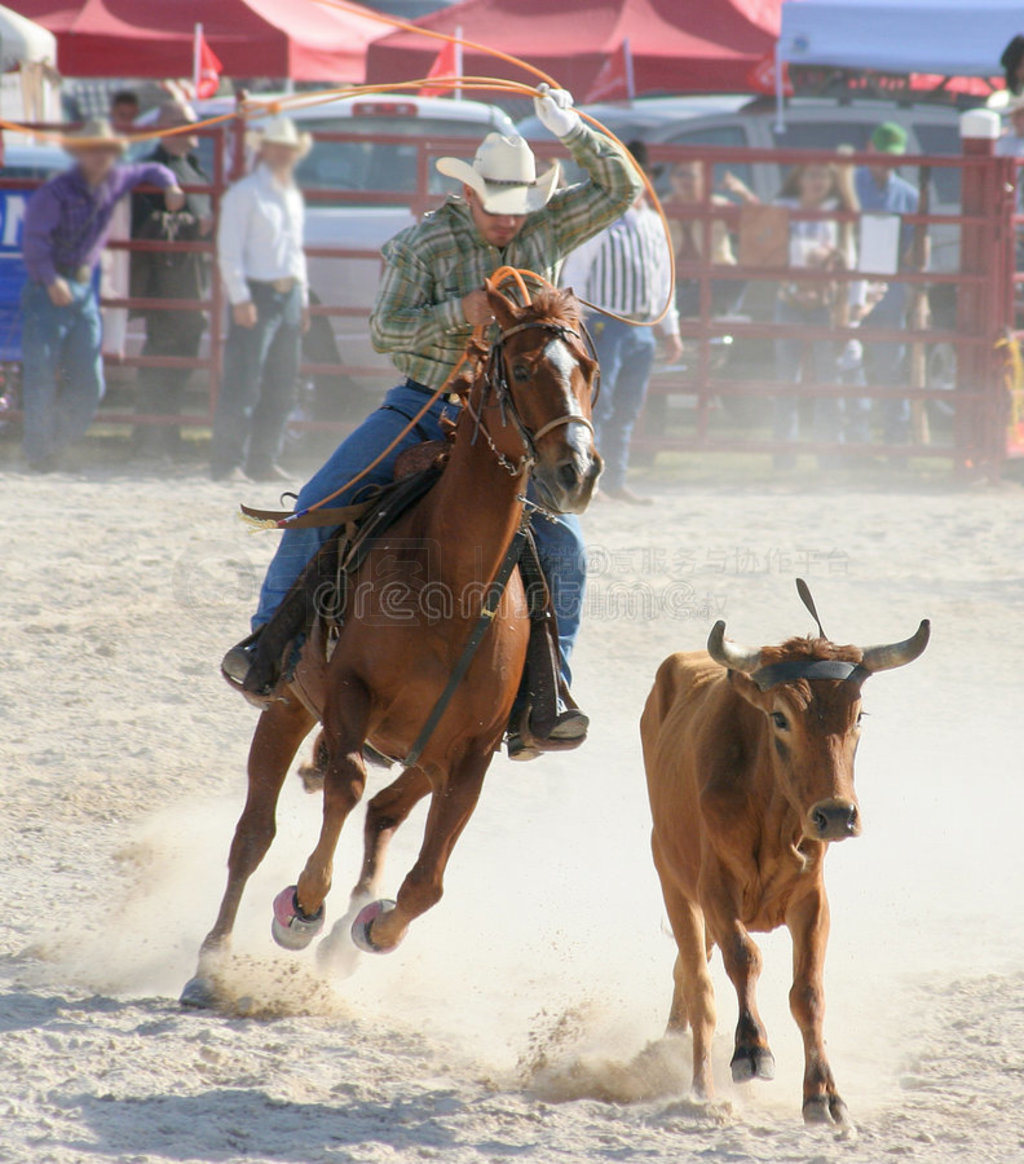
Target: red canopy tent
253, 38
678, 46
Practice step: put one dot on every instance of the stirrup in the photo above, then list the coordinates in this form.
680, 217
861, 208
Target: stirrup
240, 669
568, 731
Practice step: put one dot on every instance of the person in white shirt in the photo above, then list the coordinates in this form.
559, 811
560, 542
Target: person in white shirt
263, 266
1011, 145
823, 244
626, 269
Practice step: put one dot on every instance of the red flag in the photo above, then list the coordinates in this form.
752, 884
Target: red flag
206, 67
761, 77
615, 80
448, 63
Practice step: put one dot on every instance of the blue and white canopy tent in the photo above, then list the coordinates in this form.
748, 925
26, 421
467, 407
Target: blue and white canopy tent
948, 38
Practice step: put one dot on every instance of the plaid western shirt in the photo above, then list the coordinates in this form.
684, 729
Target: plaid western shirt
429, 267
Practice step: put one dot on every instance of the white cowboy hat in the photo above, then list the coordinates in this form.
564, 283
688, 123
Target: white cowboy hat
97, 133
504, 175
281, 131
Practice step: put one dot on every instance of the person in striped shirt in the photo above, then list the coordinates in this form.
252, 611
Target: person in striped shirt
430, 298
626, 269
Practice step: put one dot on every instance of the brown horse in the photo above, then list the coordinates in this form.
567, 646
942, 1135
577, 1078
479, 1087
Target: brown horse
413, 604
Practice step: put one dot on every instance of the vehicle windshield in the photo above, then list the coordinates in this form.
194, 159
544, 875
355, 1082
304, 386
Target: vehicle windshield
372, 165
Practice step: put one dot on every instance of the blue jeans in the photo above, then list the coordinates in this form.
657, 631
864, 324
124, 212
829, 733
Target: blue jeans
257, 390
789, 365
887, 362
559, 542
835, 418
626, 355
62, 368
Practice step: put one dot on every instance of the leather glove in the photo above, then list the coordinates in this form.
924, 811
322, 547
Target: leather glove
555, 112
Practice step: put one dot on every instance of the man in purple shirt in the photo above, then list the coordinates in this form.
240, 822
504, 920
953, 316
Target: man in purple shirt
66, 224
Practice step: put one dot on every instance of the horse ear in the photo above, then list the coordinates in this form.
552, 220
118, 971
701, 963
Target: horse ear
505, 311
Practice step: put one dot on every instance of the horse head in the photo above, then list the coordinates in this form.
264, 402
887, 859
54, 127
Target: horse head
541, 380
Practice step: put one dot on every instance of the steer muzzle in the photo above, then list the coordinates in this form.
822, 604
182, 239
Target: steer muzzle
833, 820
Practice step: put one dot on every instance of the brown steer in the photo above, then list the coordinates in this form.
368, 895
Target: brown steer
749, 757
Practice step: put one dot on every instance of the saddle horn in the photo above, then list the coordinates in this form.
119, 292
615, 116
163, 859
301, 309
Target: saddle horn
805, 597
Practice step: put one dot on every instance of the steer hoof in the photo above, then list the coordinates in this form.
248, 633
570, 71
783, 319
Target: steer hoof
752, 1063
199, 994
364, 923
292, 928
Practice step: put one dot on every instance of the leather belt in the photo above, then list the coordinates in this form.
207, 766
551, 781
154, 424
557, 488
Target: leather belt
416, 386
281, 286
79, 274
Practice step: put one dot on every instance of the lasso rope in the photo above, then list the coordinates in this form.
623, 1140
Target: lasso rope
254, 108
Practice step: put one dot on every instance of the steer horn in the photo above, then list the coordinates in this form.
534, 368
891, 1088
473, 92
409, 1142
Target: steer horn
735, 657
888, 655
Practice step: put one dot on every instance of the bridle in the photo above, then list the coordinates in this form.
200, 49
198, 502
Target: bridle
496, 382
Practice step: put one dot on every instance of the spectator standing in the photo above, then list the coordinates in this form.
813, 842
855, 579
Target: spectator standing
880, 190
124, 111
262, 263
1012, 62
823, 244
626, 269
166, 275
1011, 145
115, 265
66, 224
686, 192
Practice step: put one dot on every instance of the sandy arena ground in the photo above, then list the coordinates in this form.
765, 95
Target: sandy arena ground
520, 1021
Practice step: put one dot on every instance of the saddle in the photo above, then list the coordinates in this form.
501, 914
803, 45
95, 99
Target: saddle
321, 593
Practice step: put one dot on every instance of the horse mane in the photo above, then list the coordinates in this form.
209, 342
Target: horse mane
809, 647
555, 306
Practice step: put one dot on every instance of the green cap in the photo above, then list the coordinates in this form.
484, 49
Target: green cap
890, 138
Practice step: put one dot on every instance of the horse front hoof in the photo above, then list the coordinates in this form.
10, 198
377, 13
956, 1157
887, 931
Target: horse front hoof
752, 1063
199, 994
363, 924
829, 1110
291, 928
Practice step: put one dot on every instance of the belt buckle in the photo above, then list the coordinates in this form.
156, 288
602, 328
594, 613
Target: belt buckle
283, 286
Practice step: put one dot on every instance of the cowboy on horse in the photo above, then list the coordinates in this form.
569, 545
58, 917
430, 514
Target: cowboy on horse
430, 300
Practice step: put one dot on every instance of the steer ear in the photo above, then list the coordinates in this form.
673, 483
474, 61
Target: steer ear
747, 689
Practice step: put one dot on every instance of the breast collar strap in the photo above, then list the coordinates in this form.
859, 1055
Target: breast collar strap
771, 676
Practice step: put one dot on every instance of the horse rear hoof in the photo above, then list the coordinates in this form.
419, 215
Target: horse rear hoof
199, 994
364, 923
752, 1063
291, 928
